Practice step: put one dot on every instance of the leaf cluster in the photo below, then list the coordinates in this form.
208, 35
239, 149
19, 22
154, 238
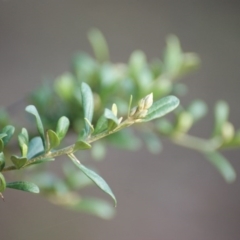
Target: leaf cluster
46, 146
114, 82
85, 95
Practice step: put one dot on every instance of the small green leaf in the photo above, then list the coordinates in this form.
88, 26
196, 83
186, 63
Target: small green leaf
173, 57
18, 161
62, 127
2, 183
137, 63
23, 143
64, 86
101, 126
32, 109
112, 119
227, 132
2, 135
53, 139
25, 134
84, 66
90, 125
94, 206
184, 122
190, 62
24, 186
2, 161
35, 147
98, 180
81, 145
87, 104
161, 108
221, 116
222, 165
9, 131
198, 109
99, 45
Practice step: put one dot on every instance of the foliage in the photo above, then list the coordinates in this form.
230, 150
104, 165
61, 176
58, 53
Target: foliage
45, 147
78, 101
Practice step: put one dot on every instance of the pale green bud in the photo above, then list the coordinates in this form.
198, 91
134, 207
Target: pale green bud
227, 131
133, 111
141, 104
148, 101
114, 109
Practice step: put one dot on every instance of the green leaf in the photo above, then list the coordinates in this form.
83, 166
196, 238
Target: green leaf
161, 108
24, 186
93, 206
222, 165
101, 126
198, 109
35, 147
32, 109
53, 139
25, 134
112, 119
173, 56
81, 145
99, 45
109, 80
62, 127
98, 180
23, 143
221, 116
137, 63
64, 86
18, 161
2, 161
190, 62
2, 183
84, 66
88, 105
9, 131
2, 135
184, 122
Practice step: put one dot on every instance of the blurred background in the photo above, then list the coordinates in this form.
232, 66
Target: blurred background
174, 195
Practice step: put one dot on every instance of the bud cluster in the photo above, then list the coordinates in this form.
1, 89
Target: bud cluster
141, 110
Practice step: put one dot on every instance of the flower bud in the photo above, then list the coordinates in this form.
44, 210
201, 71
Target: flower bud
114, 109
148, 101
133, 111
227, 131
141, 104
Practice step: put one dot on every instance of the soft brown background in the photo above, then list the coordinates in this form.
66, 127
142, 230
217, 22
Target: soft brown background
175, 195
